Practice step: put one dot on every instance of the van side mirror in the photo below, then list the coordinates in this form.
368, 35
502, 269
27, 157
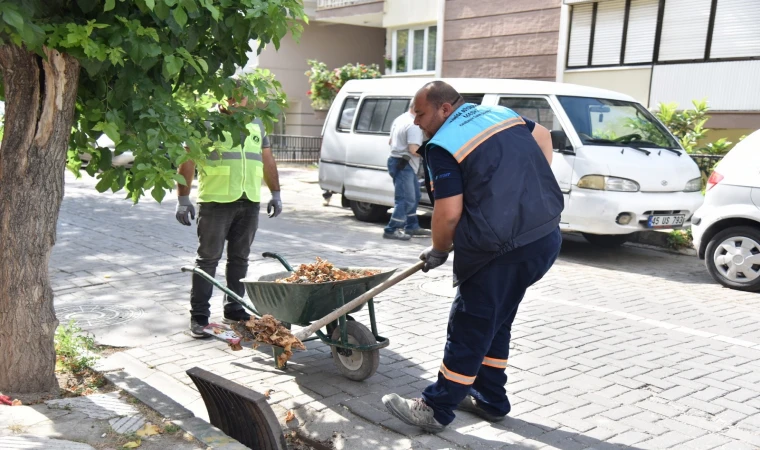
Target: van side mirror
560, 142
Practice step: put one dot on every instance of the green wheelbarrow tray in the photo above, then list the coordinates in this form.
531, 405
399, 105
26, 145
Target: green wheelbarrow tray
354, 347
303, 303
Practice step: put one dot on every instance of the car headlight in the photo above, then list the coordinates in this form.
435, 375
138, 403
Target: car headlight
602, 183
693, 185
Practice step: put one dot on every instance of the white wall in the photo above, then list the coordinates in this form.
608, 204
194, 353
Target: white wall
728, 86
401, 13
631, 81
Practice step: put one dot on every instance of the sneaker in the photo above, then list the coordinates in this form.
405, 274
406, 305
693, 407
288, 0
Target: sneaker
197, 323
413, 412
419, 232
397, 234
469, 404
236, 316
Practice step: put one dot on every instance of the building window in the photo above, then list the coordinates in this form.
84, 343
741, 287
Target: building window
622, 32
737, 29
414, 50
684, 30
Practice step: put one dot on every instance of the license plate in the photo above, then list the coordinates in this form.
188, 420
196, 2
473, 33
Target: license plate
666, 221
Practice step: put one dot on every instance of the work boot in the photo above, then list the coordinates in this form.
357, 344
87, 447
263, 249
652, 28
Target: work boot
419, 232
236, 316
413, 412
469, 404
398, 233
197, 323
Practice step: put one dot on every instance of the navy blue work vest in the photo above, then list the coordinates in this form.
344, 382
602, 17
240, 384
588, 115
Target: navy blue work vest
511, 197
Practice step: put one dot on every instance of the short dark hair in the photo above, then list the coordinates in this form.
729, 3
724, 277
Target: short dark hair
439, 92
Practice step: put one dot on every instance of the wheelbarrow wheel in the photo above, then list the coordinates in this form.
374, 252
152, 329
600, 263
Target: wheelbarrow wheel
353, 364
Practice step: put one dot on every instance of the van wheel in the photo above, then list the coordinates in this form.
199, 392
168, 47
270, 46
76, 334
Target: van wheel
368, 212
606, 240
733, 258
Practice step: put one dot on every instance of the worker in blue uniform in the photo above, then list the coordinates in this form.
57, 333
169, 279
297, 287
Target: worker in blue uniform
498, 203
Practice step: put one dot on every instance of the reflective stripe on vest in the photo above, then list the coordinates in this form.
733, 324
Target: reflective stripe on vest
231, 171
214, 156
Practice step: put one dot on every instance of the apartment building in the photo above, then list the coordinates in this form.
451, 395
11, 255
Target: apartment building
654, 50
669, 51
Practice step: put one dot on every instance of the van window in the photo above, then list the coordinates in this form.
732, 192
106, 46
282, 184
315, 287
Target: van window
615, 123
347, 113
535, 109
473, 98
377, 114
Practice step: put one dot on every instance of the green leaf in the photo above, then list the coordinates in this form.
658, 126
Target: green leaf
161, 10
87, 5
180, 16
179, 179
173, 65
158, 194
105, 158
203, 64
13, 18
110, 4
110, 129
150, 4
212, 9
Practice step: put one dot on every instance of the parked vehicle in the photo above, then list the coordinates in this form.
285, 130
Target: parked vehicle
123, 159
726, 229
619, 168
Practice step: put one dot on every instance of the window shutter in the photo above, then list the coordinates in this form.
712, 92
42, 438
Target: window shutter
580, 33
684, 30
608, 35
642, 26
737, 29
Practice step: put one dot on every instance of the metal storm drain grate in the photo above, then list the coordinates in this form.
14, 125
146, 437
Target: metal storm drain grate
241, 413
96, 316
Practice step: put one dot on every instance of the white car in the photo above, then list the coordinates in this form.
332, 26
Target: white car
124, 159
726, 228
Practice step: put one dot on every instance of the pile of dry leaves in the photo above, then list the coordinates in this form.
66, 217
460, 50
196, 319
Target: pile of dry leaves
267, 330
322, 272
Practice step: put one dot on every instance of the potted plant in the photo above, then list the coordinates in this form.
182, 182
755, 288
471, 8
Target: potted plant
325, 84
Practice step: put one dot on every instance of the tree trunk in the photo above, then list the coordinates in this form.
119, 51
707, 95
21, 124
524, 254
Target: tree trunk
39, 108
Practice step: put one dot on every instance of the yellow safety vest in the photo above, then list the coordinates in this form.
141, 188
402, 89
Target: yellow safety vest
233, 171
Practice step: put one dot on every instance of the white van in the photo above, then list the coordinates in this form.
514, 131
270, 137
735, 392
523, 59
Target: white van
619, 168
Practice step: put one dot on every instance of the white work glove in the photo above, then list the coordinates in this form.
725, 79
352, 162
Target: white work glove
433, 258
274, 208
185, 210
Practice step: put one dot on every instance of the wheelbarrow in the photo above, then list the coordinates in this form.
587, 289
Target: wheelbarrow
355, 348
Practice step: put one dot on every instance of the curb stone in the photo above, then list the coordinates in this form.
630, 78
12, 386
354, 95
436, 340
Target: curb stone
211, 436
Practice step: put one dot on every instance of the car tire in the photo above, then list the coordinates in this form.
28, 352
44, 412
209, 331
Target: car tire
368, 212
727, 271
606, 240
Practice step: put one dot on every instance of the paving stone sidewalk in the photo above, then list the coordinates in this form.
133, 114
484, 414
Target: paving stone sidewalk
627, 348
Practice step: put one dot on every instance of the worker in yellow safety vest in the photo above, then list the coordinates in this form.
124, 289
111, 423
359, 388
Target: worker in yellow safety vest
229, 190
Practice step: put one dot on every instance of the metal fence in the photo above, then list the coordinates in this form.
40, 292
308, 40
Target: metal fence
295, 149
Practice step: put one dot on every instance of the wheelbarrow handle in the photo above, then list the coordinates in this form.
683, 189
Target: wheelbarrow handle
230, 294
279, 258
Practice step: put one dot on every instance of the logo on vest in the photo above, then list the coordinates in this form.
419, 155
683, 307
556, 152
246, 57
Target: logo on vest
256, 139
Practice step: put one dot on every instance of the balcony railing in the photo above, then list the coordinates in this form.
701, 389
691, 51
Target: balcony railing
330, 4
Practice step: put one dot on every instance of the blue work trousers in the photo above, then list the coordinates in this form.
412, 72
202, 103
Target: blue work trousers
407, 196
479, 330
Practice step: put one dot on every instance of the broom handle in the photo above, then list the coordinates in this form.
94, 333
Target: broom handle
358, 301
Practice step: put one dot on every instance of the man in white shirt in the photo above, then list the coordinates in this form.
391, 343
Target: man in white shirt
403, 164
